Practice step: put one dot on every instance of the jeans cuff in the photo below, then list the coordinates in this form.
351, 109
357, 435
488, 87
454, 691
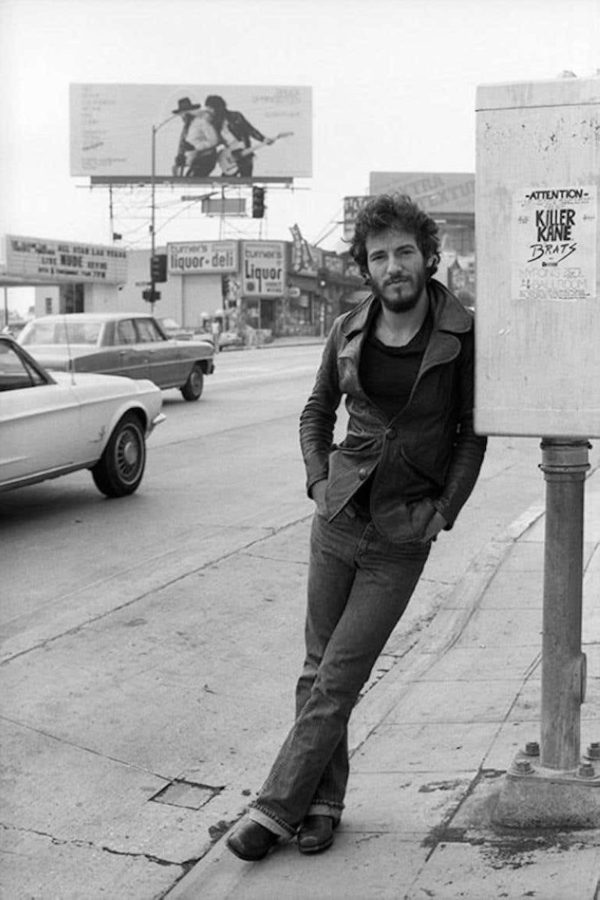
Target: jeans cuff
267, 820
326, 808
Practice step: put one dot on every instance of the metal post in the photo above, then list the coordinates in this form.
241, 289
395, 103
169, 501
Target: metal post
564, 464
153, 204
153, 214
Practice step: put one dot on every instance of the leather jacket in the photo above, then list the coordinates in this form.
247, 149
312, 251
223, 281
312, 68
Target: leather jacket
427, 457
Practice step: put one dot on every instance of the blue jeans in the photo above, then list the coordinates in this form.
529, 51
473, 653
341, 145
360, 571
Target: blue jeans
359, 584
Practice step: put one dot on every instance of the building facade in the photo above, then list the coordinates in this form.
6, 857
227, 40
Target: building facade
259, 284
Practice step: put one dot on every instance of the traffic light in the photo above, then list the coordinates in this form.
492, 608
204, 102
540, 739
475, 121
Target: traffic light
258, 202
158, 267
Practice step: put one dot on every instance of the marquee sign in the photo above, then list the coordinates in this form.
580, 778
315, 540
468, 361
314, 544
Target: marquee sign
43, 261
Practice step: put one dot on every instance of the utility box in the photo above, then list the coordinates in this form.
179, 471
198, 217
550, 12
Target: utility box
537, 313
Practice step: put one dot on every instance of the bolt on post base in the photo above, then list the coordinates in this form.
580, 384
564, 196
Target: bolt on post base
534, 796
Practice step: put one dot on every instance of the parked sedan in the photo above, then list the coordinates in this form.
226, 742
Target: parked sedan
53, 424
131, 344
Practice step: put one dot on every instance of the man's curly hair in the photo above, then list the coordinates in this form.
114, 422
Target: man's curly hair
395, 211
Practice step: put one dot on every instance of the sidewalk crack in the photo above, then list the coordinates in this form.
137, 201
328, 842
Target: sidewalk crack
90, 845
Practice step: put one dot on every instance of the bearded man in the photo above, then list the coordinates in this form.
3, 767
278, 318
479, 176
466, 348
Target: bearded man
410, 459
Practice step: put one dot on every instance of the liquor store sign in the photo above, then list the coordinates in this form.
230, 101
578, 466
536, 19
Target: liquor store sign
263, 269
202, 257
43, 261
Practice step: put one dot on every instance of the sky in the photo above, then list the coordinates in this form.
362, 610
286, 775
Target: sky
394, 86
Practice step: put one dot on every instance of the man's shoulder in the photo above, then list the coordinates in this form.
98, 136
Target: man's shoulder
449, 313
356, 318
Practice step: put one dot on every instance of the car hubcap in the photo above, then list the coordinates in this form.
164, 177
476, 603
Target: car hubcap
128, 454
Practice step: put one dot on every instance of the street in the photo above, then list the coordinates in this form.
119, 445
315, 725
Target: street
150, 644
222, 466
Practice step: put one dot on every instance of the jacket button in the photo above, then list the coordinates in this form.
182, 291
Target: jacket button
390, 433
362, 474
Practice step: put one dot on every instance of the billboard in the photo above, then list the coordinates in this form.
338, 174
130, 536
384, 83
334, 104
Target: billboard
435, 192
43, 261
452, 192
196, 131
263, 268
202, 257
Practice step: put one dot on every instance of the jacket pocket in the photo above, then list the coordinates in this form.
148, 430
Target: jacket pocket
421, 513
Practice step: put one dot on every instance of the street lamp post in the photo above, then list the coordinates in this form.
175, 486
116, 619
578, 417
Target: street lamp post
155, 128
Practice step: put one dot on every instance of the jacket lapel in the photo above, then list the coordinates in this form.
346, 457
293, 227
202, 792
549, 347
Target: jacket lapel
449, 319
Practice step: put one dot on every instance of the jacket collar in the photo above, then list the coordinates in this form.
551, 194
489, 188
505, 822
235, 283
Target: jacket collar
448, 313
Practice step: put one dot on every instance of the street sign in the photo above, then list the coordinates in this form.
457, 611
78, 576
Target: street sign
224, 206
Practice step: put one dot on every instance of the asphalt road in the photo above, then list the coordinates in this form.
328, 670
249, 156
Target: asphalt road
228, 460
150, 644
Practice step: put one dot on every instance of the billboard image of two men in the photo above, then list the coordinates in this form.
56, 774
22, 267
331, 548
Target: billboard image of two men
113, 126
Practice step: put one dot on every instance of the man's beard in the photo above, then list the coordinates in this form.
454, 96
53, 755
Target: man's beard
406, 303
400, 304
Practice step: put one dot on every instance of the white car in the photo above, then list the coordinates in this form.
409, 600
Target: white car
53, 424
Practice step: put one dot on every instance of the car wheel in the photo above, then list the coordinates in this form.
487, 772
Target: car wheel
119, 470
192, 389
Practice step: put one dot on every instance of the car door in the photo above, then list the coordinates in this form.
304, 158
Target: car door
163, 356
39, 420
122, 350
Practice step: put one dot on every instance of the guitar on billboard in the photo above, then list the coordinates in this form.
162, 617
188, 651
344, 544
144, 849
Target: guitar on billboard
228, 157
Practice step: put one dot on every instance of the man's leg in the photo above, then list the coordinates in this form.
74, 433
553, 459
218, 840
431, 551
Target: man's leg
331, 574
386, 576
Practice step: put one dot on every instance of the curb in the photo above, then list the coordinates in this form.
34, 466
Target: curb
390, 689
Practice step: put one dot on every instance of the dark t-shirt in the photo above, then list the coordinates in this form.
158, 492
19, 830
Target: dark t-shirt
387, 375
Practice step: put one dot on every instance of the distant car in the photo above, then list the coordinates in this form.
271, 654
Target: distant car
130, 344
52, 425
230, 339
174, 330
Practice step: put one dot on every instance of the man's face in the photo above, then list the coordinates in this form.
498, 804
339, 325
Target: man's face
397, 269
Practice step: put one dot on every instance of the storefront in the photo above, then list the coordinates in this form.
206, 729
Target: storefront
70, 276
244, 286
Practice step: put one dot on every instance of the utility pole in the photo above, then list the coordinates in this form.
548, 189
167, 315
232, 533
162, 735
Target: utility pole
155, 128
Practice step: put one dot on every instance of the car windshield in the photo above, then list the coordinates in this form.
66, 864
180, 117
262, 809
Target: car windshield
62, 332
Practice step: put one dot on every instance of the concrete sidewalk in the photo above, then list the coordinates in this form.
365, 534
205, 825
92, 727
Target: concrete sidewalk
430, 751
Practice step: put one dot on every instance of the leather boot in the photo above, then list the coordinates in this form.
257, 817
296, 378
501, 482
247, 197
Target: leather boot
251, 841
316, 834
